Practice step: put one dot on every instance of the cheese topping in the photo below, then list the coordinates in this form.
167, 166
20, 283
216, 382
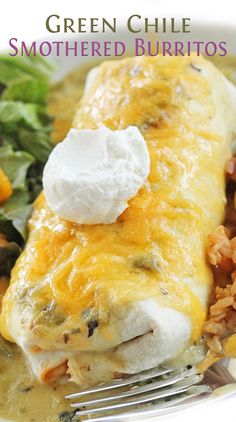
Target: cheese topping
91, 175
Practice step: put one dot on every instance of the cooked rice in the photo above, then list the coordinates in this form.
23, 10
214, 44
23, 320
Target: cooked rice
221, 321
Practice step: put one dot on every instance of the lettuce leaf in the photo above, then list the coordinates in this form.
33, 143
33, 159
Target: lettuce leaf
24, 79
25, 142
16, 112
36, 143
16, 209
15, 165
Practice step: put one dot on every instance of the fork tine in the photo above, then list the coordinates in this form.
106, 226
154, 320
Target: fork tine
168, 392
160, 408
140, 389
121, 383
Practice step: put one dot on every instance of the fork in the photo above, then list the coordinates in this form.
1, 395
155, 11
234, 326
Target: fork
149, 394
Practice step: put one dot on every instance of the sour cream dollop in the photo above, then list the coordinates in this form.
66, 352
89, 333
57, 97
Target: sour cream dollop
90, 176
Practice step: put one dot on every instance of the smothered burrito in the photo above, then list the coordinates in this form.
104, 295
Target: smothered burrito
128, 290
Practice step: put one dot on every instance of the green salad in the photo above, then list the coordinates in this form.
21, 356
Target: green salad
25, 143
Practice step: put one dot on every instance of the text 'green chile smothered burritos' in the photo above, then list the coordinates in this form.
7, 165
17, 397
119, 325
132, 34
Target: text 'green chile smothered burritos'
94, 301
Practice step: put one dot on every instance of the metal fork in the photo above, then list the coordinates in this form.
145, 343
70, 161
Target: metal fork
149, 394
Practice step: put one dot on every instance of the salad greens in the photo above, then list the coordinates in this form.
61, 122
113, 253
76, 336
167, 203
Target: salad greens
24, 138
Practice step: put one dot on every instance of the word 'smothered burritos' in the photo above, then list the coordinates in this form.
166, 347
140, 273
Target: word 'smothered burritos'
97, 301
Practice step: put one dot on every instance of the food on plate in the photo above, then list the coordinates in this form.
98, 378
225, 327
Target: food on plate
25, 140
91, 302
89, 177
5, 187
220, 327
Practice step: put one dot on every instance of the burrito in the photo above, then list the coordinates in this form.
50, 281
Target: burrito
94, 302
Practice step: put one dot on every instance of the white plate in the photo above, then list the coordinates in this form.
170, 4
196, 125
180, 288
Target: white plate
199, 32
